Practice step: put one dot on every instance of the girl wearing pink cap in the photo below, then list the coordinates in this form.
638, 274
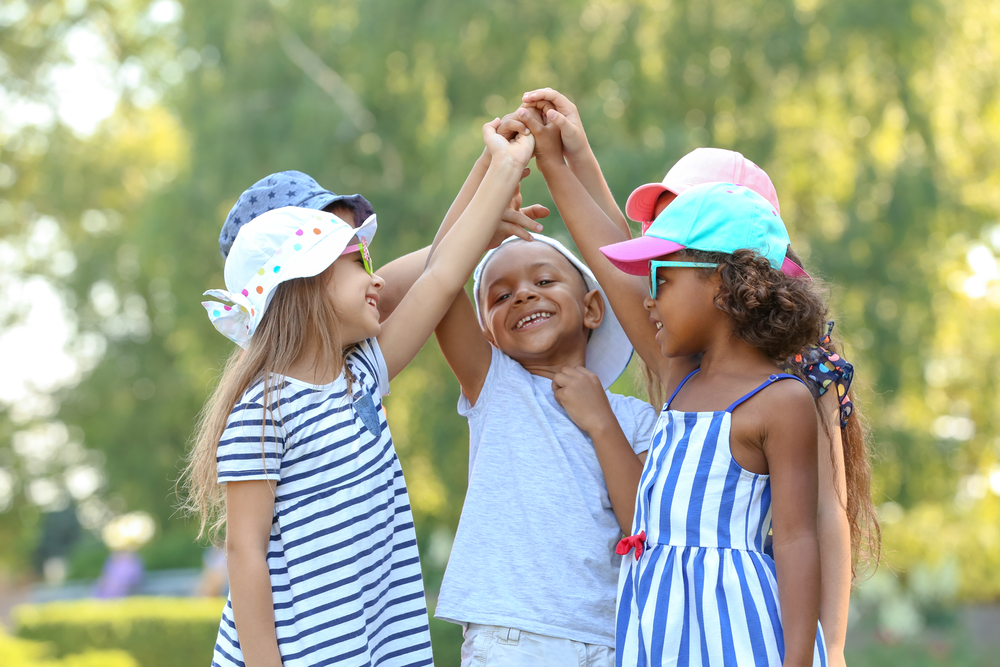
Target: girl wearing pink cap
843, 531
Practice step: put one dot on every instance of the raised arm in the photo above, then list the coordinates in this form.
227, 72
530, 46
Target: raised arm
591, 228
449, 267
558, 109
402, 272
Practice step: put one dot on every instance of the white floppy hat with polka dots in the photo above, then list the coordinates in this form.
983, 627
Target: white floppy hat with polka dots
274, 247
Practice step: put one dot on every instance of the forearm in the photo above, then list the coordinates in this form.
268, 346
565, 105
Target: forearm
399, 276
622, 470
797, 564
587, 222
462, 199
587, 170
835, 568
253, 608
463, 245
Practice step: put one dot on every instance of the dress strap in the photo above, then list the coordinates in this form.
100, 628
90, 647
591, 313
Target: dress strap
767, 383
683, 382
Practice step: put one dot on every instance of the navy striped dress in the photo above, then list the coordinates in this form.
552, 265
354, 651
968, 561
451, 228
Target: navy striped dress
345, 573
703, 592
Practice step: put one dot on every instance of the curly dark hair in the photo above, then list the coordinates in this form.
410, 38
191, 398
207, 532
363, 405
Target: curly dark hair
775, 313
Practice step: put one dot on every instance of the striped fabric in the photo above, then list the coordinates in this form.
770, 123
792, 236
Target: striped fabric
345, 573
702, 592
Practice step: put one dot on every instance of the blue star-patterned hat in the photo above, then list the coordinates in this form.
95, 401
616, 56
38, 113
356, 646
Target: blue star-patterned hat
285, 188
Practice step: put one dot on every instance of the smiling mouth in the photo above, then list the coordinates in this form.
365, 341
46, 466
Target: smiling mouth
659, 325
534, 317
372, 301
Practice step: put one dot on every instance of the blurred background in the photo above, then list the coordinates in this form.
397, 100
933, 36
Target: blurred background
128, 128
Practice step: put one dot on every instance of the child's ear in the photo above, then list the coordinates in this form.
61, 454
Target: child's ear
488, 335
593, 309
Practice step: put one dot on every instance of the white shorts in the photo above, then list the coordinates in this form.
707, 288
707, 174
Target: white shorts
493, 646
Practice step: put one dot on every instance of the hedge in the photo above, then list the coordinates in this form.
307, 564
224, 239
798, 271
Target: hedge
157, 632
16, 652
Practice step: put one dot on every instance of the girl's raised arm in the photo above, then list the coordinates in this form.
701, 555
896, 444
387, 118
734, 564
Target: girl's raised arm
560, 110
451, 264
591, 228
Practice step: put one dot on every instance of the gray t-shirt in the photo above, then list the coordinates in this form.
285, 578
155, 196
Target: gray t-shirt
535, 548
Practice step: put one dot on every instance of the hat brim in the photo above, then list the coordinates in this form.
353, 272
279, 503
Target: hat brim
633, 256
609, 349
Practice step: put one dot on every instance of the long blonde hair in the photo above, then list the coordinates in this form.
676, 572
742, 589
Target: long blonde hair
301, 315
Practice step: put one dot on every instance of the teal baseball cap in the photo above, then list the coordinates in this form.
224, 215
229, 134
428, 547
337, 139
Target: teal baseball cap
712, 217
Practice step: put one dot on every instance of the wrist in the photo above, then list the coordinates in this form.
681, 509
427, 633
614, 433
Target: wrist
549, 161
506, 164
581, 157
484, 159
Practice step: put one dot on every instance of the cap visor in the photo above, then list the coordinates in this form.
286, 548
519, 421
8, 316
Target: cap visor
790, 268
632, 256
642, 202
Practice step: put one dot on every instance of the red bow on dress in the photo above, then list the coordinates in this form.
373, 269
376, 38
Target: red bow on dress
636, 542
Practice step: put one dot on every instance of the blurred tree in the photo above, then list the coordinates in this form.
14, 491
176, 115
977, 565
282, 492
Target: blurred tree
879, 124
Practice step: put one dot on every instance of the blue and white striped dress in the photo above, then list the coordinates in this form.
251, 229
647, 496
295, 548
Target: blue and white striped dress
703, 592
345, 573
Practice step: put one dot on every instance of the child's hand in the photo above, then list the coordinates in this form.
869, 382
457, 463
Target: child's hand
518, 149
518, 222
582, 396
559, 110
548, 139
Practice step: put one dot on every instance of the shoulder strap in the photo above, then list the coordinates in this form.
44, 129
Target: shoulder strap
767, 383
683, 382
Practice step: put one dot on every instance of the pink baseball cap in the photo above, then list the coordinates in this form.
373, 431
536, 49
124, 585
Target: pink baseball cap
702, 165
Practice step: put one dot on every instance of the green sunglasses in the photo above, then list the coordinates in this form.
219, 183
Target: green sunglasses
654, 265
366, 259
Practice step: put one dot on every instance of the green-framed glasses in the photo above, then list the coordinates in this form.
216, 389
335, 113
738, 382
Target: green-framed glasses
366, 258
654, 265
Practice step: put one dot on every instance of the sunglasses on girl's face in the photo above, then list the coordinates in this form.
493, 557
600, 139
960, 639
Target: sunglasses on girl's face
654, 265
366, 259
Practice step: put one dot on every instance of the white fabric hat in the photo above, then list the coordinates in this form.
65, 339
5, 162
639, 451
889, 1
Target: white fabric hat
608, 350
279, 245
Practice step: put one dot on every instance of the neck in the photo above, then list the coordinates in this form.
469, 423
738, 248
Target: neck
728, 355
552, 364
309, 367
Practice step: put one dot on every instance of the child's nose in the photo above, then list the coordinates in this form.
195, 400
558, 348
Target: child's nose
524, 294
648, 303
377, 282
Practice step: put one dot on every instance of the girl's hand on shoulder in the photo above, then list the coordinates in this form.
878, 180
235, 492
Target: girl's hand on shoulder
560, 110
517, 149
582, 396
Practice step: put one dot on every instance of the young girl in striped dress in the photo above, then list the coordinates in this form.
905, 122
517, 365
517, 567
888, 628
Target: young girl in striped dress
735, 448
700, 589
293, 454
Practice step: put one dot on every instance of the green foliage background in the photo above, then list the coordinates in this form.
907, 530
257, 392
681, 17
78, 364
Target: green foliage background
878, 122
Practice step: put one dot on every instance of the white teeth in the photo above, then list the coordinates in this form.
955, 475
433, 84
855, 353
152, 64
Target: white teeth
524, 320
659, 325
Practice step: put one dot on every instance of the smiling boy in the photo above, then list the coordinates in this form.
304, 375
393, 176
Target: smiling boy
554, 460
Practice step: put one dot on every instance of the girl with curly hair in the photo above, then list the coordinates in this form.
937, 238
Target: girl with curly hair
849, 533
699, 587
717, 477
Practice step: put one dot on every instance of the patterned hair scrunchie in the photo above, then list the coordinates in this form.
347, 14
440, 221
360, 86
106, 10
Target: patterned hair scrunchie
824, 368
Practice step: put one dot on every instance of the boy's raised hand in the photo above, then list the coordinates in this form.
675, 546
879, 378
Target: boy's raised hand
559, 110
